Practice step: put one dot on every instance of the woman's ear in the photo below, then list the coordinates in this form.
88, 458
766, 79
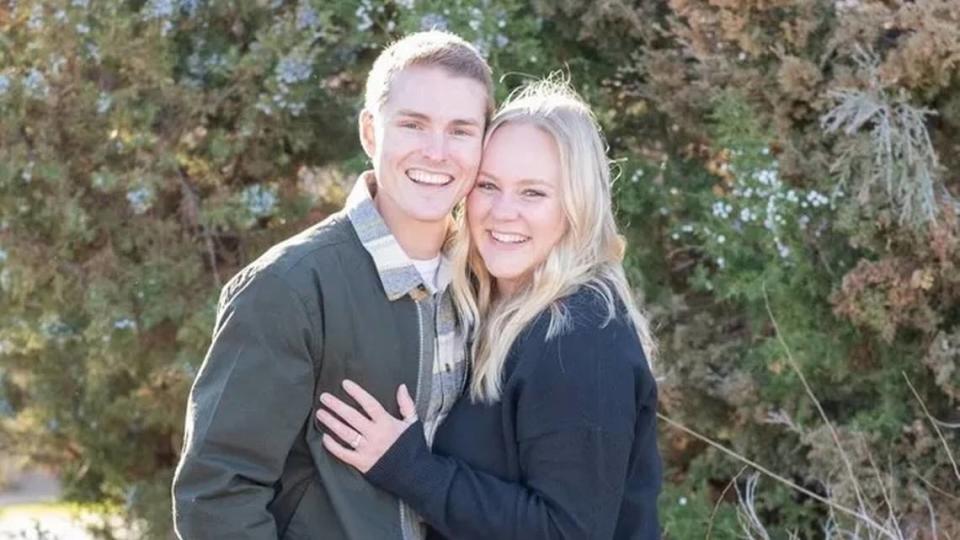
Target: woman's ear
368, 135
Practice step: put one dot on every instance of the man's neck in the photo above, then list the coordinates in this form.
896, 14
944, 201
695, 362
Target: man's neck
420, 240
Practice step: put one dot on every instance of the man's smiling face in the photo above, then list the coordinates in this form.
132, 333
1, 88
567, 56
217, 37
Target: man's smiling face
425, 143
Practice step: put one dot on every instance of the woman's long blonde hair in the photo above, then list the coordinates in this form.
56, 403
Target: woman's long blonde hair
590, 253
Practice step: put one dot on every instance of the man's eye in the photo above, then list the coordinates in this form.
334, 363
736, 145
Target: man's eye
410, 125
462, 132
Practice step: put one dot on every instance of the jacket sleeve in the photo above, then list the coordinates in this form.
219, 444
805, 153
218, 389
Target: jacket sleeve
576, 416
249, 401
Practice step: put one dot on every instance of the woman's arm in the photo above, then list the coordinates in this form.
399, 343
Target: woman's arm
576, 413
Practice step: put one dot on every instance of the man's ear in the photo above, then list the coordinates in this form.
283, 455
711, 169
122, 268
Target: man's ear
368, 135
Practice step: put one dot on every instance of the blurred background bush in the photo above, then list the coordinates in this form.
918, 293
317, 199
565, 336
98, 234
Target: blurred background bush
787, 182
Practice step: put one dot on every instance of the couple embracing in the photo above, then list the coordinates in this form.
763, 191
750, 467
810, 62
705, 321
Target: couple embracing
403, 370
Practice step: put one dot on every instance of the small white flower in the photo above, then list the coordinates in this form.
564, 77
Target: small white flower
767, 177
35, 22
721, 239
434, 21
259, 200
140, 199
104, 102
718, 210
124, 324
36, 84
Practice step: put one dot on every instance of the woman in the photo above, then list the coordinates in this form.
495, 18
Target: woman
557, 438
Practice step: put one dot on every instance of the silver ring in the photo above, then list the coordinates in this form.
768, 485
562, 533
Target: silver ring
356, 442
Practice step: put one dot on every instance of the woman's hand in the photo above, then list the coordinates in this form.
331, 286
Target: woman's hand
370, 435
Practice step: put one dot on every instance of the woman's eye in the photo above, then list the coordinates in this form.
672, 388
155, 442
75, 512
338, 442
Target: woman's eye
486, 186
533, 193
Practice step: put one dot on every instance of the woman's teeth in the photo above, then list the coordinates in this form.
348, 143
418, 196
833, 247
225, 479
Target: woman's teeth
508, 238
424, 177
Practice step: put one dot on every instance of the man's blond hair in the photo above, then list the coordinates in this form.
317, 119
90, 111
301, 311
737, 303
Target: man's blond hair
434, 48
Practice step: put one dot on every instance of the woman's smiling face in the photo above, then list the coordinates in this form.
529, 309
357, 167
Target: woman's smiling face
514, 212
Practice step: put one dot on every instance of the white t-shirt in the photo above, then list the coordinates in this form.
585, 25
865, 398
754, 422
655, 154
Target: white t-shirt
428, 271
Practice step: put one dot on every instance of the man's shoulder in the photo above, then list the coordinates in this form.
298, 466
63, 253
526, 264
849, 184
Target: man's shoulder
298, 260
311, 246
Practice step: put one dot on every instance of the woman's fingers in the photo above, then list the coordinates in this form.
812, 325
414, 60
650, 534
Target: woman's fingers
408, 409
351, 416
369, 403
345, 432
341, 452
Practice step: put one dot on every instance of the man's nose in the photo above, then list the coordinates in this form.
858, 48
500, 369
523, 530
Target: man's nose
436, 147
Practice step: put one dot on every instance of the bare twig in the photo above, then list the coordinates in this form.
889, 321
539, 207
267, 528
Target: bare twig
891, 516
943, 439
934, 487
749, 520
193, 211
742, 459
806, 386
948, 425
716, 506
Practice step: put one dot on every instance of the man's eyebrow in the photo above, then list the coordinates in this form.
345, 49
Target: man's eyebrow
466, 122
412, 114
420, 116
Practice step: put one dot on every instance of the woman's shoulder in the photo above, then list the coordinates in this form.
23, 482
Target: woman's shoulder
595, 328
594, 363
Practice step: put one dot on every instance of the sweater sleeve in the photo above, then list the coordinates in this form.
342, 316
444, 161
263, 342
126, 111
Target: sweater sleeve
576, 413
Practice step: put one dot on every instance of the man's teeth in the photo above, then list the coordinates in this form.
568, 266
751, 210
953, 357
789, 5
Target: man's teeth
425, 177
508, 238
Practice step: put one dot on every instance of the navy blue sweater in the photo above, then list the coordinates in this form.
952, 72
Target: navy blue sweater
569, 451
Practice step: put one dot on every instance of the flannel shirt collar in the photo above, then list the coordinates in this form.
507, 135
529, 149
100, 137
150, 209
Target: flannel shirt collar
397, 273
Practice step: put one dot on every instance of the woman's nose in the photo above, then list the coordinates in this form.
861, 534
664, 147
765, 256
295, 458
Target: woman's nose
504, 208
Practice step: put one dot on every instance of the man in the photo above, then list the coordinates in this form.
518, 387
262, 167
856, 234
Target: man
362, 296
